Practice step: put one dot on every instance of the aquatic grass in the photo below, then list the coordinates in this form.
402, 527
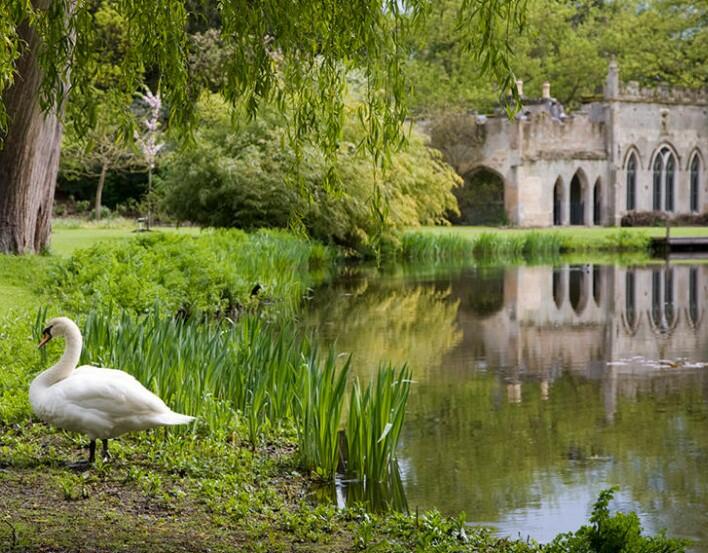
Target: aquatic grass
517, 245
485, 247
218, 371
426, 246
375, 419
323, 394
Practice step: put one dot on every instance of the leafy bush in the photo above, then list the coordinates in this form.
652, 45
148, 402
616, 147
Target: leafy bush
212, 273
643, 219
659, 218
691, 219
621, 533
242, 177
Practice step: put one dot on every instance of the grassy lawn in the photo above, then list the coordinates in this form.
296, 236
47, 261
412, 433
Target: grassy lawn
67, 239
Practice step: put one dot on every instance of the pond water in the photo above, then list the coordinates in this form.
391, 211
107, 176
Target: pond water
539, 386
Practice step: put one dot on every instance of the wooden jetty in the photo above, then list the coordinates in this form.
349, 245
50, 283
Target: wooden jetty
684, 244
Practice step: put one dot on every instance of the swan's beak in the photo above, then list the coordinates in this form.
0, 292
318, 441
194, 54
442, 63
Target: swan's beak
45, 338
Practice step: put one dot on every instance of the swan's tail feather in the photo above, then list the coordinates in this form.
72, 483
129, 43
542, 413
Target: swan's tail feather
172, 418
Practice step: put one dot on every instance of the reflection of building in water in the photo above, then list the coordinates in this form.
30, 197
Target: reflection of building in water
580, 317
663, 306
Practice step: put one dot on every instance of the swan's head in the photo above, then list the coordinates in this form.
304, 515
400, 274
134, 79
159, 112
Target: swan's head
60, 326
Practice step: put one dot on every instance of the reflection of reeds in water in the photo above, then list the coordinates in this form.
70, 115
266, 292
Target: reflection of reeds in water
388, 495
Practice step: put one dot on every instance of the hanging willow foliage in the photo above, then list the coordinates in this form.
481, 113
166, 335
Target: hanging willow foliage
294, 53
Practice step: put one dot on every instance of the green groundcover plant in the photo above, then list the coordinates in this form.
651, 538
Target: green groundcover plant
213, 273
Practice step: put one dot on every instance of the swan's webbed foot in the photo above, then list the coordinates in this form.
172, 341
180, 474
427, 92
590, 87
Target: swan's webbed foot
85, 465
80, 466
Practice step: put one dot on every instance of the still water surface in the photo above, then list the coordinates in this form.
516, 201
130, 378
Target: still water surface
539, 386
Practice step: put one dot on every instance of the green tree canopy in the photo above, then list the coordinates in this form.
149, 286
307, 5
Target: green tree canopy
294, 54
243, 178
568, 44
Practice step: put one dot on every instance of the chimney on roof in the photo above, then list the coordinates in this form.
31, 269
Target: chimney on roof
546, 90
520, 87
612, 85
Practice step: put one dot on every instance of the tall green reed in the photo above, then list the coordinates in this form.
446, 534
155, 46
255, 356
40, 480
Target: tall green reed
322, 400
487, 246
517, 245
375, 420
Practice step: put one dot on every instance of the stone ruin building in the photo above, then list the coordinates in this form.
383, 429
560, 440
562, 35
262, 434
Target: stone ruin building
635, 149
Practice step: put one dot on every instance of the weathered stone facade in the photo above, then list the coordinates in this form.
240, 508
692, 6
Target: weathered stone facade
635, 149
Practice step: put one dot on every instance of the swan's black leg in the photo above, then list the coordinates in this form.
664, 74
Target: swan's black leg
105, 453
92, 452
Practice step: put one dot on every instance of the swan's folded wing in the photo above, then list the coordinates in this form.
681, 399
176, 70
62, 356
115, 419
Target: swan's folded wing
114, 393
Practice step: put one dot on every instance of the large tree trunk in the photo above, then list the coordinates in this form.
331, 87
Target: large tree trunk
29, 159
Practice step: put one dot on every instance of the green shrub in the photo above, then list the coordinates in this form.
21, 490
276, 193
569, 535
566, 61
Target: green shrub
242, 176
620, 533
212, 273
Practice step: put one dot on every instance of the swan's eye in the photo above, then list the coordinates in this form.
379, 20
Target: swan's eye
47, 332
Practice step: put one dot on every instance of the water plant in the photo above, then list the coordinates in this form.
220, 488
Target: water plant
322, 399
621, 532
516, 245
375, 420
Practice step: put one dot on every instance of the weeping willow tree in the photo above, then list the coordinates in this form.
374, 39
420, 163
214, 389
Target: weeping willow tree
295, 54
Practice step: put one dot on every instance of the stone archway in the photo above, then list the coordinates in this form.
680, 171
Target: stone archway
558, 202
481, 199
597, 203
577, 201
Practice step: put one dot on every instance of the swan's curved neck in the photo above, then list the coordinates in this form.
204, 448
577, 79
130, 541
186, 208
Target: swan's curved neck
70, 358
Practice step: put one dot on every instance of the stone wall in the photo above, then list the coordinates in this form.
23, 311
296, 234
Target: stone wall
645, 128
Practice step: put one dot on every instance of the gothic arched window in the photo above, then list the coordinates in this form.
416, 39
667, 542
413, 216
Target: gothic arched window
656, 189
669, 183
664, 169
632, 182
695, 176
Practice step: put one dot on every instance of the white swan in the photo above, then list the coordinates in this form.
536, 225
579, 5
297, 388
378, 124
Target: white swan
101, 403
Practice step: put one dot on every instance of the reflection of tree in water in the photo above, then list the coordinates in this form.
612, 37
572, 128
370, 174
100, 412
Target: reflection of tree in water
379, 323
481, 292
